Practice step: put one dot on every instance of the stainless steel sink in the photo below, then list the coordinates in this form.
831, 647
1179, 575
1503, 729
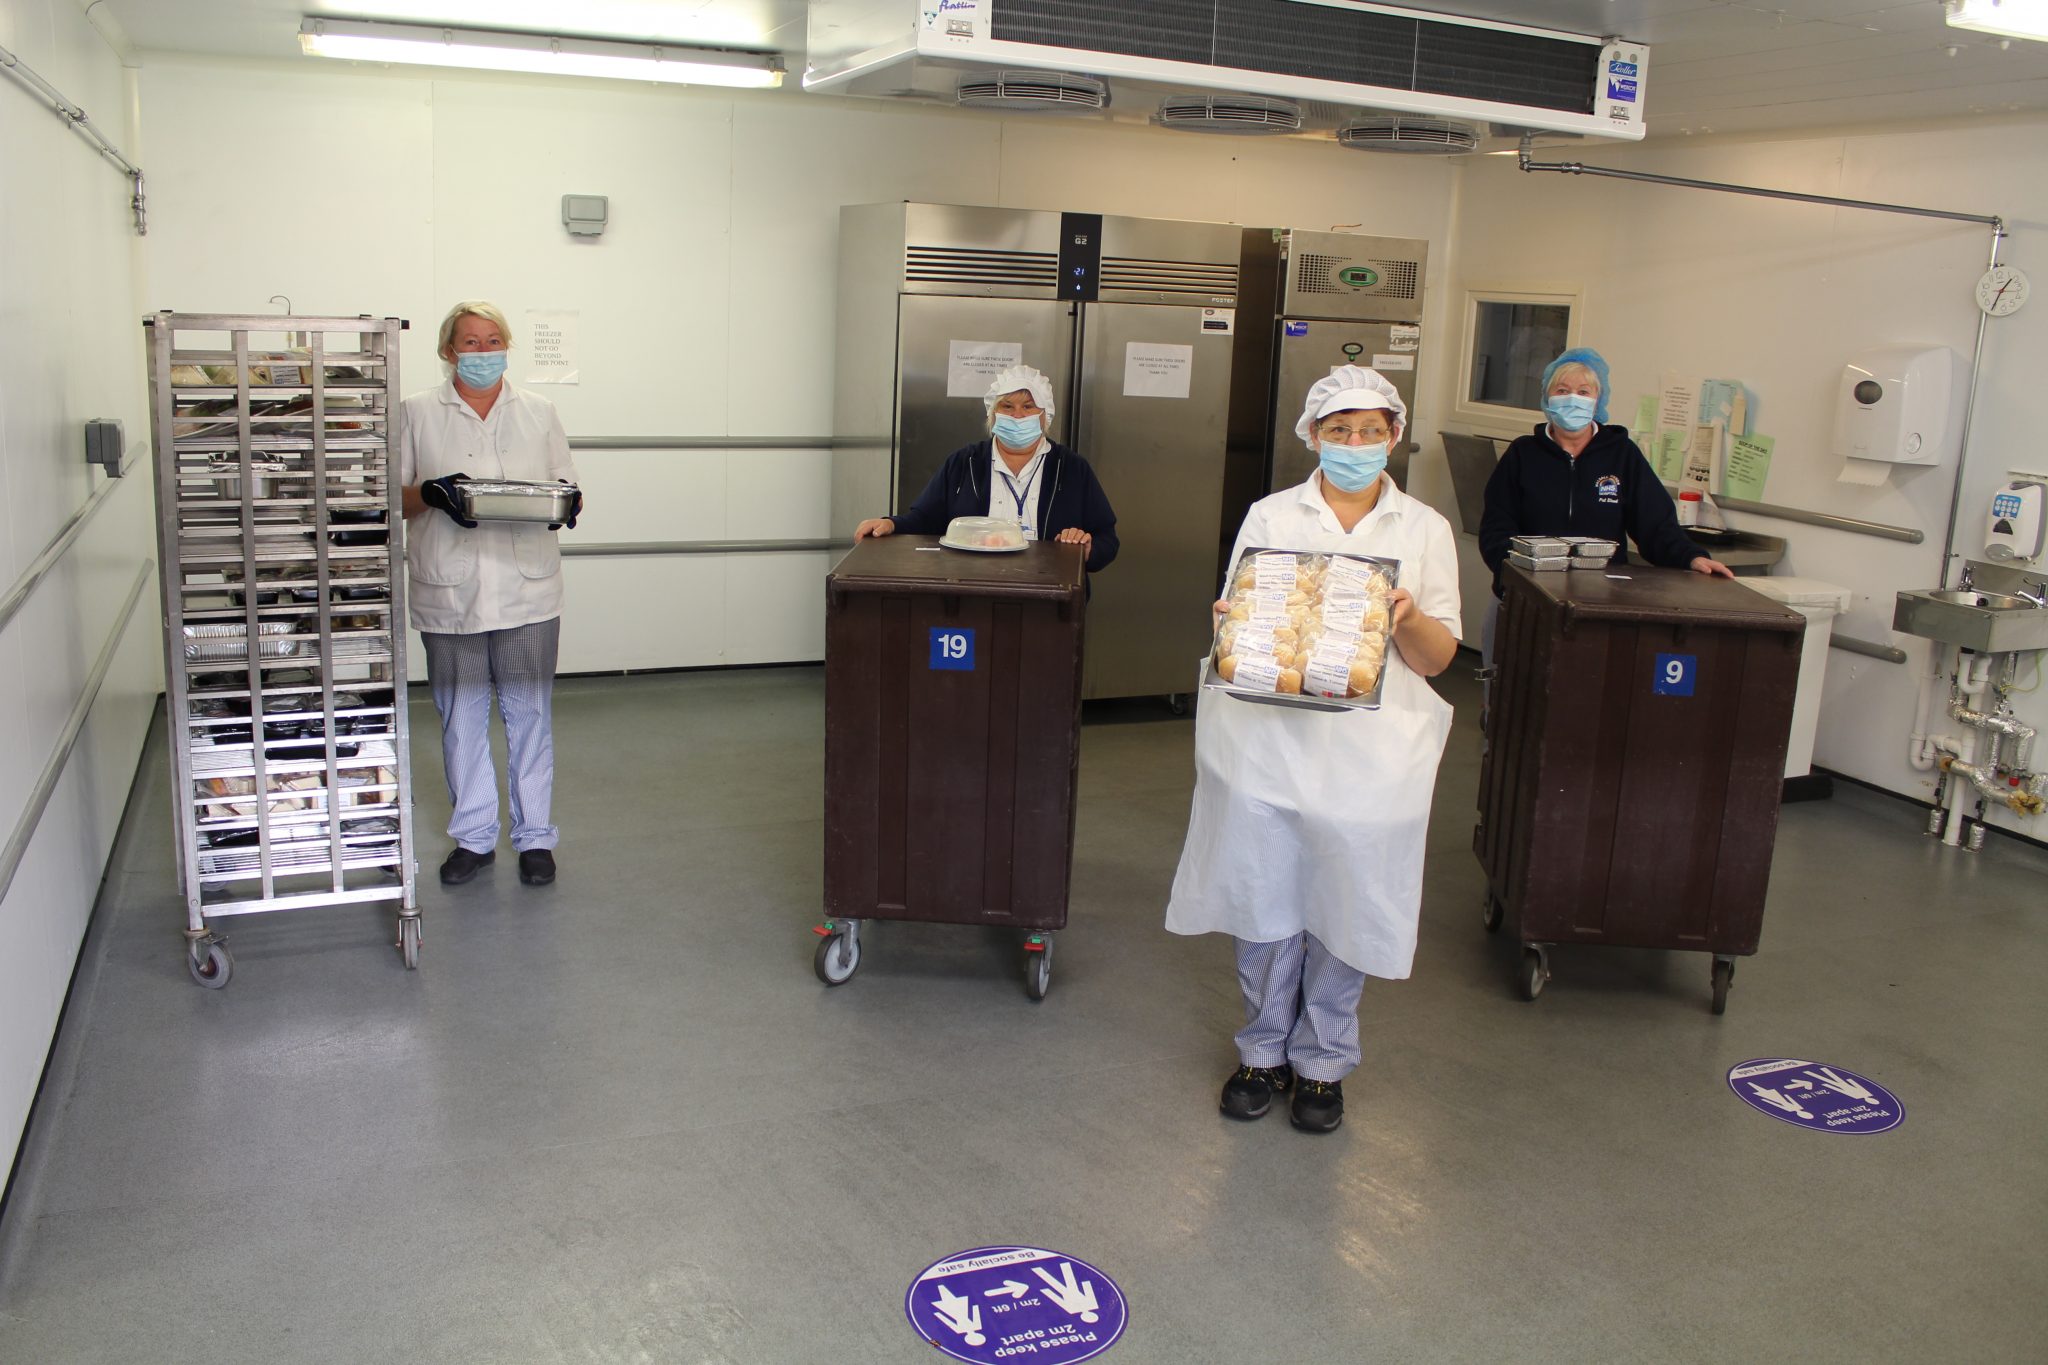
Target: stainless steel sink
1988, 622
1997, 601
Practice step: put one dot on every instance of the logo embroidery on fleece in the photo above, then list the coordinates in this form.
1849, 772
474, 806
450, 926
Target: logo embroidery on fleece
1608, 486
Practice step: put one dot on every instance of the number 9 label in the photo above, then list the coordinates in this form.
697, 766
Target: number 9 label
952, 649
1675, 675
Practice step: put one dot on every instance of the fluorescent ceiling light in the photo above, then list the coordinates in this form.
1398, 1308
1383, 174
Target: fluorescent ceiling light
480, 49
2009, 18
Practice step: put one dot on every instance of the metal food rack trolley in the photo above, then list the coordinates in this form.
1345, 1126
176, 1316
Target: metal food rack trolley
277, 507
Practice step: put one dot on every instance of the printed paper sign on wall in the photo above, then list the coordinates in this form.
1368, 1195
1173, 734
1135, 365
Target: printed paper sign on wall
553, 356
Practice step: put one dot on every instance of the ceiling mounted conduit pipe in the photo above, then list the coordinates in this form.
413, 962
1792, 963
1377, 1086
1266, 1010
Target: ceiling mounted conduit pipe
1991, 220
81, 123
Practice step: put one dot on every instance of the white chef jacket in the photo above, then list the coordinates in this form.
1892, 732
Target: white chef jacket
1308, 820
501, 574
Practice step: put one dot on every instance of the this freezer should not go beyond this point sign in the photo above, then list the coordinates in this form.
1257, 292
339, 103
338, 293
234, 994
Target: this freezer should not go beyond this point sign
1811, 1095
1016, 1303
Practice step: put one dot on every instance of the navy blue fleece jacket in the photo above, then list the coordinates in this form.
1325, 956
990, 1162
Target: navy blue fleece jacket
1610, 491
1068, 496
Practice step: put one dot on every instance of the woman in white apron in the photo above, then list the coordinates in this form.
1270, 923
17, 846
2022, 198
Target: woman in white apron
1306, 839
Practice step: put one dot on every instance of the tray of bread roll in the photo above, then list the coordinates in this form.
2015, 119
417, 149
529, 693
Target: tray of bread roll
1305, 630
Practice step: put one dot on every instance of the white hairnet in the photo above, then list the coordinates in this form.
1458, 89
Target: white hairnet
1348, 387
1020, 377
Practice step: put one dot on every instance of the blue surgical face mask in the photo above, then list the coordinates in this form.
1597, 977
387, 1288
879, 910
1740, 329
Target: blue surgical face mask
1018, 433
480, 369
1352, 468
1570, 411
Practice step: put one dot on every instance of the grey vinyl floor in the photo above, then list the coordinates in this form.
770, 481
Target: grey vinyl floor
619, 1119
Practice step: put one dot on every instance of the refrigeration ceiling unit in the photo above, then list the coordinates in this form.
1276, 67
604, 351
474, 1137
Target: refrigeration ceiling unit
1423, 136
1336, 59
1229, 114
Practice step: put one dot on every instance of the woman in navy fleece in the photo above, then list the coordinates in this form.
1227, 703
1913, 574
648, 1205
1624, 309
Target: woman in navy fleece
1020, 472
1577, 476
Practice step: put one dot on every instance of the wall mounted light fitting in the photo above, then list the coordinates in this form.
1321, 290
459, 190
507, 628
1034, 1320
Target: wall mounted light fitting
538, 53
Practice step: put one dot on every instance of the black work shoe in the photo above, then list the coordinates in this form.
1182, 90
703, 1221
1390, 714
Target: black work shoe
536, 867
1249, 1092
1318, 1106
460, 865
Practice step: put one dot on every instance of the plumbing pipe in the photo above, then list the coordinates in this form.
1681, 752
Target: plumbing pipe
1920, 747
1961, 763
1968, 681
2022, 799
2010, 727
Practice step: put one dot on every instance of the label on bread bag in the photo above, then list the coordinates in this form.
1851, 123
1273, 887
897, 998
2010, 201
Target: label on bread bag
1336, 640
1326, 677
1268, 605
1345, 615
1257, 675
1274, 571
1347, 577
1253, 642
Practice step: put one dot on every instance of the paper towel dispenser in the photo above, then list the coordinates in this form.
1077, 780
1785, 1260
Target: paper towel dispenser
1902, 404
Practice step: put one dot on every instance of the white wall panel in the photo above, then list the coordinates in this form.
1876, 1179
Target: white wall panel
70, 349
652, 291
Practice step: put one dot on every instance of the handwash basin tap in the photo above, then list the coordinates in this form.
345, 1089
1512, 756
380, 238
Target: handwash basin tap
2034, 593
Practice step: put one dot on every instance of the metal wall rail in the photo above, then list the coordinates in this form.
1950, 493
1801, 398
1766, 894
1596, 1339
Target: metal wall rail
1882, 530
33, 576
701, 547
81, 124
67, 740
1891, 654
725, 442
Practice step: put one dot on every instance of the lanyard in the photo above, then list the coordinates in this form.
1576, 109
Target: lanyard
1019, 496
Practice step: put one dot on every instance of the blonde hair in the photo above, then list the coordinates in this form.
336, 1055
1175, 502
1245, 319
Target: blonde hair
476, 308
1570, 373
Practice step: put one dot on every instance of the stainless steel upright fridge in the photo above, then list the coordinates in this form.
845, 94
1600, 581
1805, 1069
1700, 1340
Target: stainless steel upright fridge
1132, 318
1309, 301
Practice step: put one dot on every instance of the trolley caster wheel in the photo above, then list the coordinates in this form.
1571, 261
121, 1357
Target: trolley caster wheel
1037, 966
210, 963
1491, 913
1724, 977
1535, 971
409, 941
1177, 703
837, 959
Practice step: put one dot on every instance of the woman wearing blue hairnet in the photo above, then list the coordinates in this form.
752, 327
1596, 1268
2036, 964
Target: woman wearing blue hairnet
1576, 475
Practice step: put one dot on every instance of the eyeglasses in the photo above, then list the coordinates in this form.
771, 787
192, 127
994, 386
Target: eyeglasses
1343, 435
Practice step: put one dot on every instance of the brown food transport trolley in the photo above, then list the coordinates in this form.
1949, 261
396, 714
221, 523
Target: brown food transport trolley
952, 742
1635, 752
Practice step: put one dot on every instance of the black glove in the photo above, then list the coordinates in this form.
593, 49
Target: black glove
575, 511
440, 493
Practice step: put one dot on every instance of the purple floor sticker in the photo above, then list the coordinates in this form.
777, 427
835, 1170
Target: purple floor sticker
1811, 1095
1016, 1303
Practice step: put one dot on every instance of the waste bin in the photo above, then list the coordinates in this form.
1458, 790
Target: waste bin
952, 742
1819, 603
1635, 750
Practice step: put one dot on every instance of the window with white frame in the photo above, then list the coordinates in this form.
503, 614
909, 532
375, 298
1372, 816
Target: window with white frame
1509, 337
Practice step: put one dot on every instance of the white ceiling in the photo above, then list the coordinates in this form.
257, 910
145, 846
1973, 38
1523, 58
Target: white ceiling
1720, 66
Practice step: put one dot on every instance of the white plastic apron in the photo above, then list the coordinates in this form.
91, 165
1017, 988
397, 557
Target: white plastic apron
1311, 820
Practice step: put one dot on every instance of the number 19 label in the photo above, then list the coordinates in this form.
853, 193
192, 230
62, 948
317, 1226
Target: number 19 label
1676, 674
952, 649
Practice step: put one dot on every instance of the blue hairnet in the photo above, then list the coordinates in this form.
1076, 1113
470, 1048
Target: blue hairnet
1591, 359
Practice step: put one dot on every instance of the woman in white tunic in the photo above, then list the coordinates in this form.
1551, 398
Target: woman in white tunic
1306, 839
